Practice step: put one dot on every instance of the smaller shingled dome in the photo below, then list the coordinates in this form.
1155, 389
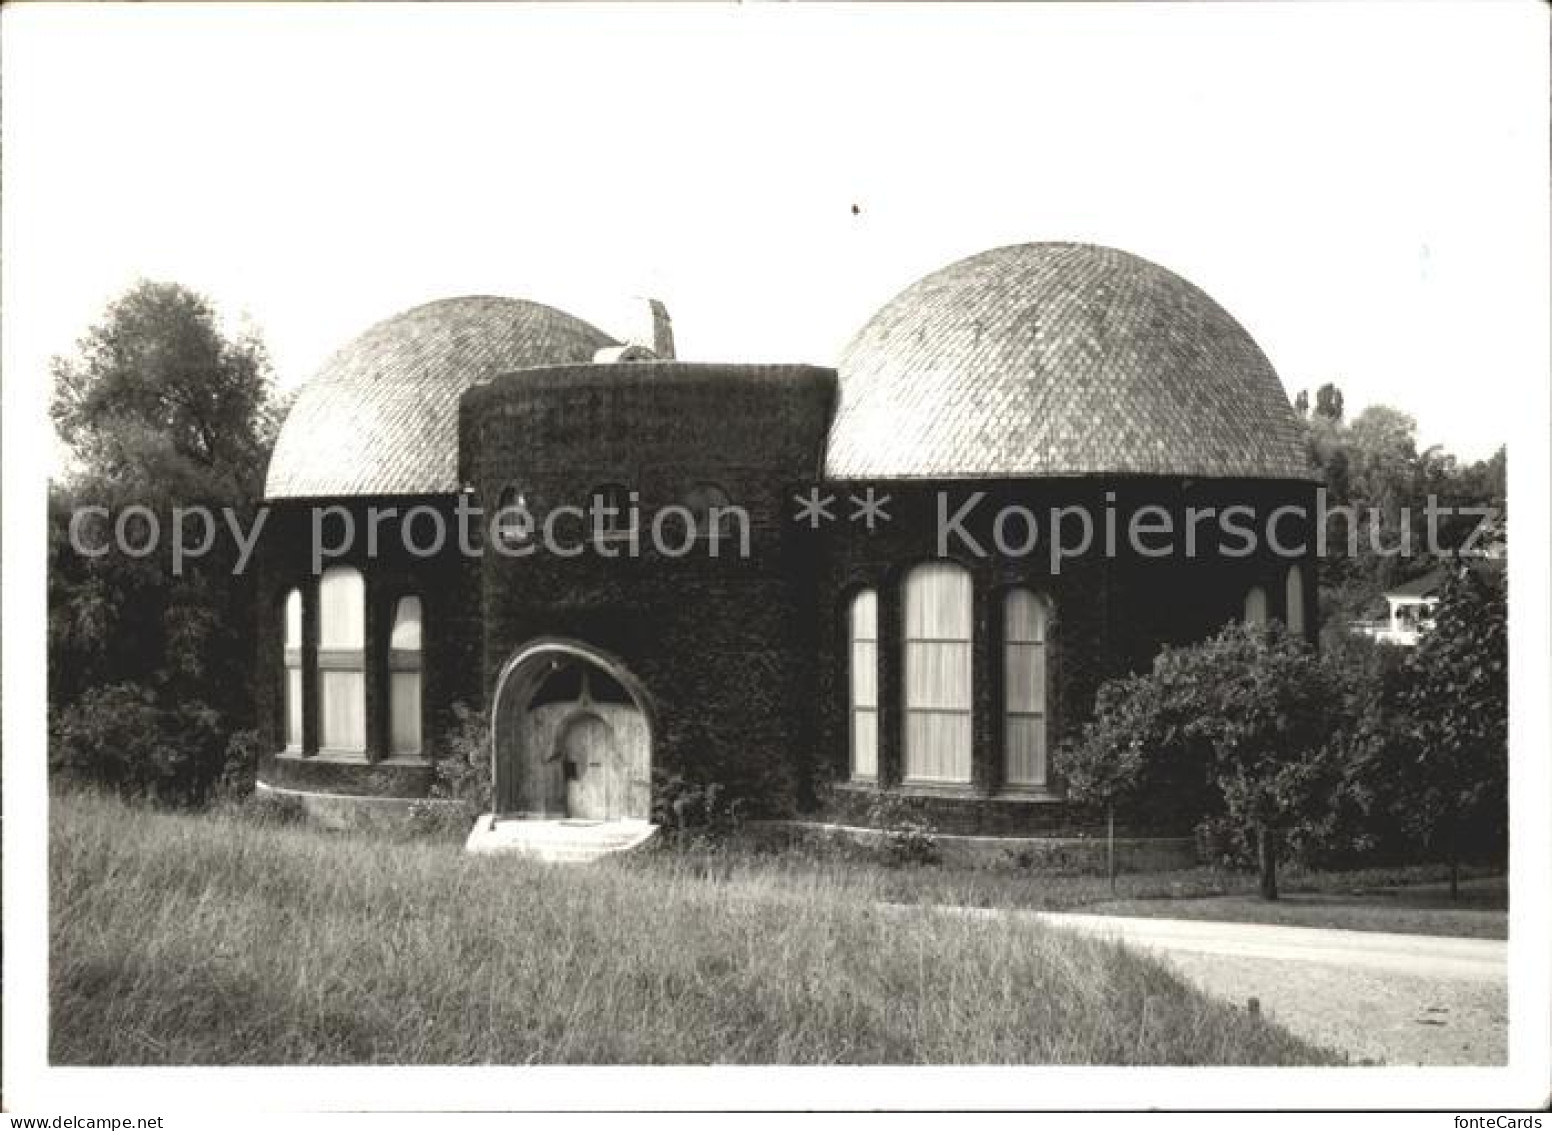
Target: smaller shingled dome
1050, 359
381, 416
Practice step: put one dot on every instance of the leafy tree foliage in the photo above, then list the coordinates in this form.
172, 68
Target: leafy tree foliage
1361, 754
1372, 463
163, 409
1455, 712
1244, 725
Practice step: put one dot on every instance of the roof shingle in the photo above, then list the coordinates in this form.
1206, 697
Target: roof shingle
1059, 359
381, 415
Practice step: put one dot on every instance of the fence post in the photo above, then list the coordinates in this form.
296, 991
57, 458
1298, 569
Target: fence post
1110, 851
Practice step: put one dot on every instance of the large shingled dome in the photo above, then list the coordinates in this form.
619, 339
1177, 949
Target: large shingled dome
381, 416
1059, 359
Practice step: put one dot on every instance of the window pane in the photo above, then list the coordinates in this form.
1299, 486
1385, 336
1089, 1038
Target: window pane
341, 609
293, 708
937, 747
864, 615
1295, 600
343, 710
294, 619
938, 617
1025, 737
864, 743
1255, 606
864, 674
937, 602
937, 676
1024, 617
406, 625
1024, 677
404, 708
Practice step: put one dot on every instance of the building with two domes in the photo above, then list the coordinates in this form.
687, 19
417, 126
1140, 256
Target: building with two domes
813, 587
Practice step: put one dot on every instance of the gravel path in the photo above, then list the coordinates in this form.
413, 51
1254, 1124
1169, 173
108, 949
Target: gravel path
1382, 998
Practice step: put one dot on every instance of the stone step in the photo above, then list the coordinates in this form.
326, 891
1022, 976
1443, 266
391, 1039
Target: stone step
564, 841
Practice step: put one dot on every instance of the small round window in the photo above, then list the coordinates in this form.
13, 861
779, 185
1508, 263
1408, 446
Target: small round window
709, 507
512, 524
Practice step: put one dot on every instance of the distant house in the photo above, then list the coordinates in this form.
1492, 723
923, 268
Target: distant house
1410, 605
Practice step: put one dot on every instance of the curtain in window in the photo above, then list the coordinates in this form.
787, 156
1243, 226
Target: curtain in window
1255, 606
293, 669
341, 660
863, 632
1295, 600
404, 678
1024, 687
937, 673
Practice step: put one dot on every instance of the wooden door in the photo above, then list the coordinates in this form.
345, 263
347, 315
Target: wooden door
587, 751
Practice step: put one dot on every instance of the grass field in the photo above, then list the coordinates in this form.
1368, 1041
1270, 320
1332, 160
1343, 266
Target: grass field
1413, 899
1411, 909
217, 940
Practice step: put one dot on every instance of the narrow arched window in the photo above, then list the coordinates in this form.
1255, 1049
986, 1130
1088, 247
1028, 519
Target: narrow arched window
1255, 607
341, 661
1024, 688
512, 524
1295, 600
404, 678
937, 673
863, 631
293, 668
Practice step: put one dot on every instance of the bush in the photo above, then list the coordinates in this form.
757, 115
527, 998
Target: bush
119, 738
907, 839
1252, 714
240, 772
270, 808
441, 821
463, 772
1454, 708
692, 813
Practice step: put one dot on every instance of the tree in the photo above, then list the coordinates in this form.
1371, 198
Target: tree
1372, 464
1248, 720
162, 409
1455, 700
156, 390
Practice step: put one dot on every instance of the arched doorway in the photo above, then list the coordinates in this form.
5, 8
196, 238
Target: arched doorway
572, 736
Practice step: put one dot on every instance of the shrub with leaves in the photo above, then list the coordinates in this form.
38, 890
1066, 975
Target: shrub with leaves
693, 813
463, 772
119, 737
161, 408
1455, 710
907, 839
1252, 716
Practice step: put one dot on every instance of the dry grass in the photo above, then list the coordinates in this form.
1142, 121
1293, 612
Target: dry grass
1411, 899
216, 940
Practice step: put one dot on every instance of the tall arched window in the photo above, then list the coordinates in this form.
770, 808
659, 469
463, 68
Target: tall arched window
1255, 606
1296, 600
341, 661
1024, 688
937, 673
404, 678
863, 631
293, 669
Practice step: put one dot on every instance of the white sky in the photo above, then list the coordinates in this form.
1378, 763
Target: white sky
1363, 188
